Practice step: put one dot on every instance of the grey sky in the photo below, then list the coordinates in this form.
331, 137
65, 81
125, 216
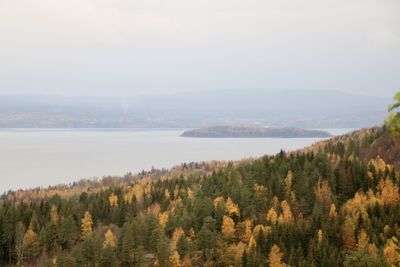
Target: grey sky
129, 47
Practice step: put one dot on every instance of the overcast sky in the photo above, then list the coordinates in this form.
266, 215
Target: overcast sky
129, 47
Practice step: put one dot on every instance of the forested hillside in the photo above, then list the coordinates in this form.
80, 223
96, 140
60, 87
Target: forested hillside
334, 204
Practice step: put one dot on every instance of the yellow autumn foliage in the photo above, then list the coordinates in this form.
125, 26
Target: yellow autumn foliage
54, 214
228, 228
245, 237
86, 225
348, 235
388, 192
363, 240
218, 201
380, 165
272, 216
190, 193
175, 259
323, 193
332, 211
109, 239
391, 252
288, 184
286, 216
178, 233
320, 235
275, 257
261, 229
163, 219
252, 244
113, 200
232, 208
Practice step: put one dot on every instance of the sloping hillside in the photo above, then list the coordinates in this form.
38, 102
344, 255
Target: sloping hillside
365, 144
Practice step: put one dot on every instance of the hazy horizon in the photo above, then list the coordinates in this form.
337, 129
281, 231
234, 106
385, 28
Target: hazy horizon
228, 90
128, 48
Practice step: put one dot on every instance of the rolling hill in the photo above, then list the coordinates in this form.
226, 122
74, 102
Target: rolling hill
271, 108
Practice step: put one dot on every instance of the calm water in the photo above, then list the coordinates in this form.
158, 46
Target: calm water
40, 157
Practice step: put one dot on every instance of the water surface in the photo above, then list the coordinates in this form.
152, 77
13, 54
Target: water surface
41, 157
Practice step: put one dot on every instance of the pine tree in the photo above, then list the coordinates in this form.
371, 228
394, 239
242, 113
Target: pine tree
128, 249
163, 250
183, 246
54, 215
206, 237
19, 239
31, 246
88, 252
108, 257
68, 233
288, 184
323, 193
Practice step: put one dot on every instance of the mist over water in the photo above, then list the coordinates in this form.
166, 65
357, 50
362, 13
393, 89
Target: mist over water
42, 157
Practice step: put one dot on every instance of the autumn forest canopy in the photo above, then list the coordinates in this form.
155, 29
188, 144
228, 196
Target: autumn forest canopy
336, 203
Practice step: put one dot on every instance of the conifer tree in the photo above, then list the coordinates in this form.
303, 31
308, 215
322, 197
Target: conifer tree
228, 228
175, 259
113, 200
109, 239
275, 257
108, 257
31, 246
392, 252
348, 235
86, 225
272, 217
19, 239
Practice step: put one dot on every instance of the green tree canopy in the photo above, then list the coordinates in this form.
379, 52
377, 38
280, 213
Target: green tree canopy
393, 121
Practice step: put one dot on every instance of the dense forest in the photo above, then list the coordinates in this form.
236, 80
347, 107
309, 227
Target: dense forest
336, 203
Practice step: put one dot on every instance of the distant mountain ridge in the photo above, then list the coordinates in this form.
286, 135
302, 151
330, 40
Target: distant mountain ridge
272, 108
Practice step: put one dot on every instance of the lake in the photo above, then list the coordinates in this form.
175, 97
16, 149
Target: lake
41, 157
